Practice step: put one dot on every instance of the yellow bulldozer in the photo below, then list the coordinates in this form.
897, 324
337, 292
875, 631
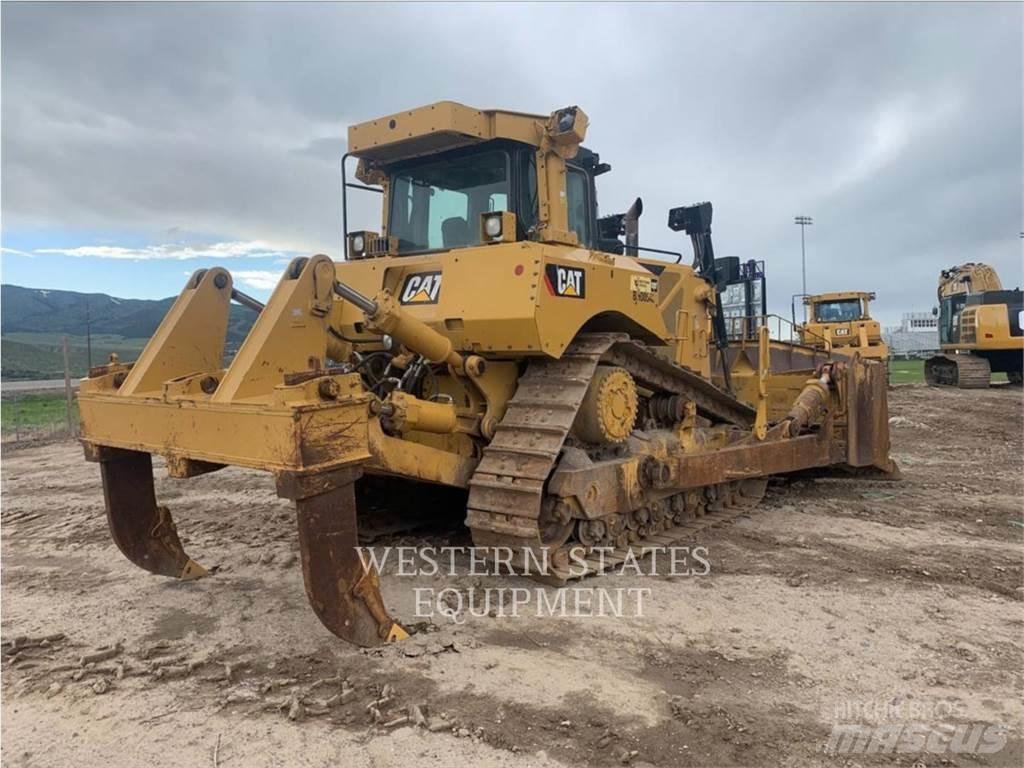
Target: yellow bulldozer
979, 329
494, 336
842, 321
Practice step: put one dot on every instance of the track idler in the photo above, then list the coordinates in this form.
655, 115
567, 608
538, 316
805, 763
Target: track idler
342, 586
142, 530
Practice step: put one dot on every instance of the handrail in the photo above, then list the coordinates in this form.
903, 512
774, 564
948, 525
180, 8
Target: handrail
744, 329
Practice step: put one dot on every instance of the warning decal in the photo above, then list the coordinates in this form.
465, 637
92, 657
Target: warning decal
644, 289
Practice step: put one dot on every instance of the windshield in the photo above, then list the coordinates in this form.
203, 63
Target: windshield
438, 205
842, 311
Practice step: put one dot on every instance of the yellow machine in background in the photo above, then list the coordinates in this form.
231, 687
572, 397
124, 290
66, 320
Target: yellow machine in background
979, 329
494, 336
841, 321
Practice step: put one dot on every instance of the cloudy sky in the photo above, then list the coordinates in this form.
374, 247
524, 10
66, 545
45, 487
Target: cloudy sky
143, 141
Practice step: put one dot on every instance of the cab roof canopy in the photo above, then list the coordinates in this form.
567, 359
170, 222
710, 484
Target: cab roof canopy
839, 295
440, 127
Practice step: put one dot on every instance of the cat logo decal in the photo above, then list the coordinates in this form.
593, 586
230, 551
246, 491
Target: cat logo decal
567, 282
421, 288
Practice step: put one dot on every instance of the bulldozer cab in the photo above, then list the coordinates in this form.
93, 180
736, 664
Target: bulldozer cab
441, 180
840, 320
437, 202
839, 307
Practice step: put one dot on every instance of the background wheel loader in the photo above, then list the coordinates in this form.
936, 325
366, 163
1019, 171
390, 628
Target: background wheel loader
494, 336
979, 329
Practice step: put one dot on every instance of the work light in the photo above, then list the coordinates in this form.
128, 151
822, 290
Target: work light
492, 226
497, 227
359, 244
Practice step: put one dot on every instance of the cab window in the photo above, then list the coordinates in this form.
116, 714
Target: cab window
842, 311
527, 214
576, 194
438, 205
949, 318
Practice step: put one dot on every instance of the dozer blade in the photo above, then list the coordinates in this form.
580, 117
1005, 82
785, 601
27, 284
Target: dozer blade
142, 530
342, 585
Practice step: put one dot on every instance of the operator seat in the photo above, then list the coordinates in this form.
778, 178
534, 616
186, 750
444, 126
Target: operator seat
455, 232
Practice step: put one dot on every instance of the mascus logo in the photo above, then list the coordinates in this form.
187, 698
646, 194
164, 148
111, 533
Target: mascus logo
565, 281
421, 288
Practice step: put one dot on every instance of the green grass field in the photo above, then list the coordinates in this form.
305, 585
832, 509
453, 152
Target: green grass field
906, 371
40, 355
35, 410
912, 372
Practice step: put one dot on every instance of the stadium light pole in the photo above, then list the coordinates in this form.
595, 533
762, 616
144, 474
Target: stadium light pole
803, 222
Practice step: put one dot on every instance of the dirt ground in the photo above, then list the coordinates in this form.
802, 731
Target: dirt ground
837, 601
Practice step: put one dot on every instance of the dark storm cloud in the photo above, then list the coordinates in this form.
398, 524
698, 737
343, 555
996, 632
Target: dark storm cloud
897, 127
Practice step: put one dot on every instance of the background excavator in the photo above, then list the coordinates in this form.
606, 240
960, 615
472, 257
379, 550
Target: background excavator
979, 329
495, 337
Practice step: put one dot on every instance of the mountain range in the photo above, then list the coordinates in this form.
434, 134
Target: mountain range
33, 321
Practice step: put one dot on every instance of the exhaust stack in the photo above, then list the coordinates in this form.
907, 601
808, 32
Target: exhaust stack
631, 223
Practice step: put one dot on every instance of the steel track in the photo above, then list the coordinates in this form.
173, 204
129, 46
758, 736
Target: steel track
506, 498
962, 371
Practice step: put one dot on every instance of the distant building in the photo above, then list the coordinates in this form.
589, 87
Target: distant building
916, 336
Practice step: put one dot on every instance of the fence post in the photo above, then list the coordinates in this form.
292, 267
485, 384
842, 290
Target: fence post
17, 420
67, 387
